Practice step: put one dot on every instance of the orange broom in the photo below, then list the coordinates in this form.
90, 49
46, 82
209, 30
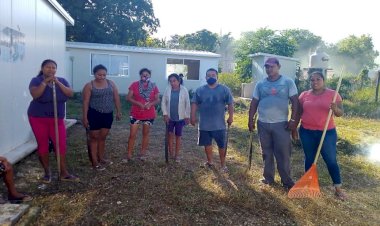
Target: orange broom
308, 185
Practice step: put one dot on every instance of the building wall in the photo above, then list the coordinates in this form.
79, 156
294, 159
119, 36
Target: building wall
43, 31
80, 68
288, 68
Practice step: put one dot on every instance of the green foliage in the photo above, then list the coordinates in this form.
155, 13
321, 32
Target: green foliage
263, 40
304, 39
241, 105
362, 103
348, 84
203, 40
232, 81
123, 22
354, 52
152, 42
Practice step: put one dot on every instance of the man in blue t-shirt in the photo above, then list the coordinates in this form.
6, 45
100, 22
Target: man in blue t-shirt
210, 100
271, 98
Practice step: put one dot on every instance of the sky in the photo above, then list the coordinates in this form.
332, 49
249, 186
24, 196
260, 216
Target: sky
333, 20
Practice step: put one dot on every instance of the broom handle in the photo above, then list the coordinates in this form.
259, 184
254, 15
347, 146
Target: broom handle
56, 131
328, 119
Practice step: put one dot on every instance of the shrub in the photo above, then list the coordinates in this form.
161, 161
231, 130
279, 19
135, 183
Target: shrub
232, 81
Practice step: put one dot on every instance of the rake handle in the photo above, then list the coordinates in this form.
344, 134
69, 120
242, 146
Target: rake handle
250, 150
328, 119
226, 144
166, 143
57, 149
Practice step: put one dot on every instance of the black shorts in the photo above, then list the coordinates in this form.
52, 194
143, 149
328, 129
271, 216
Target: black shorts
98, 120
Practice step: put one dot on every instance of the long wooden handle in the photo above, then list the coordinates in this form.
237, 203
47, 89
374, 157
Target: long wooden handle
328, 119
57, 149
166, 143
250, 150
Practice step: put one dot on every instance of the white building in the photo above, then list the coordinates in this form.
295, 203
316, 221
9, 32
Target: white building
289, 67
124, 62
30, 32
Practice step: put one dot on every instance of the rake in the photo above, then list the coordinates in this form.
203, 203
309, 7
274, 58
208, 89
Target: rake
308, 185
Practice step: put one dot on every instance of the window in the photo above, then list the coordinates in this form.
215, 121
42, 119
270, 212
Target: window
189, 68
117, 65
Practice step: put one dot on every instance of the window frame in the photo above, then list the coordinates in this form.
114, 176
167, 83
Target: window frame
183, 63
108, 66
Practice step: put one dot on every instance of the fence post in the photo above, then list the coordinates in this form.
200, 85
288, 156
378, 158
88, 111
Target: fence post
377, 86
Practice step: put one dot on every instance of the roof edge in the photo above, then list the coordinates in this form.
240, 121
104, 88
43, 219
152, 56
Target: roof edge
62, 11
137, 49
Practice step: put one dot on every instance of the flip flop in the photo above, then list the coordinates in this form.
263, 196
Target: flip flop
46, 179
17, 200
71, 178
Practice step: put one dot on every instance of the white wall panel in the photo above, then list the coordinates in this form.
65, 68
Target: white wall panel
44, 37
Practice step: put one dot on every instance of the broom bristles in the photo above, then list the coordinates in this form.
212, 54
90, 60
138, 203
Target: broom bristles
307, 186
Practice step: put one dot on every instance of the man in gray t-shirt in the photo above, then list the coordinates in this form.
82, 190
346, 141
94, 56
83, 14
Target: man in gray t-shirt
271, 98
210, 100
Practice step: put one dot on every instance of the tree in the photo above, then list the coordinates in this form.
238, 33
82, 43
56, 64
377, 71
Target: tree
173, 43
201, 40
304, 39
306, 43
152, 42
263, 40
123, 22
354, 52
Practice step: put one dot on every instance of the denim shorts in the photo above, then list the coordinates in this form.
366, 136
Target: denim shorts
205, 138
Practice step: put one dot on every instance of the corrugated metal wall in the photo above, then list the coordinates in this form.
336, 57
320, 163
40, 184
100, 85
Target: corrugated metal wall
30, 31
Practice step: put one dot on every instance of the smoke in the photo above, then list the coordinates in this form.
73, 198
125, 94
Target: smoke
374, 153
303, 55
350, 65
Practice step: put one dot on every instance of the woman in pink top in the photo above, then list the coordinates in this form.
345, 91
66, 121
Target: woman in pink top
315, 105
143, 95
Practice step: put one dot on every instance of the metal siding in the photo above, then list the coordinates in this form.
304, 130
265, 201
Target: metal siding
44, 38
155, 62
6, 81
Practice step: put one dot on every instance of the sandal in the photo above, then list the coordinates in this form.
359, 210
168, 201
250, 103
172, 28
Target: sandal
224, 170
143, 158
21, 199
126, 160
71, 178
105, 162
99, 168
341, 195
207, 165
46, 179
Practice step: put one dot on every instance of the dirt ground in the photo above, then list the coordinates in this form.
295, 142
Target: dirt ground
156, 193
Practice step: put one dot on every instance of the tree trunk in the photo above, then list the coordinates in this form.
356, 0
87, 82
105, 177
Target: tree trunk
377, 86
